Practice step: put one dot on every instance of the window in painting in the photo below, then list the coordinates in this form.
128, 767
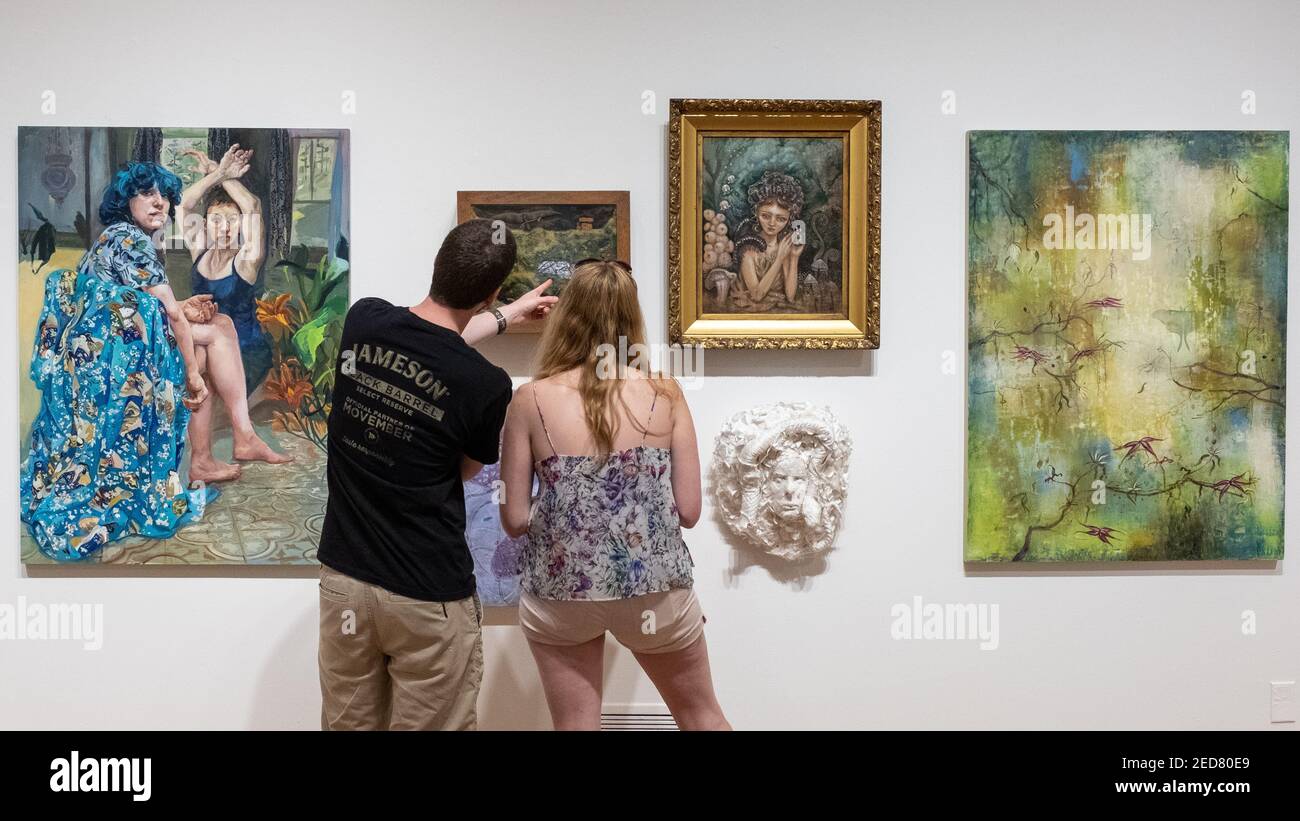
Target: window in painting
175, 142
313, 179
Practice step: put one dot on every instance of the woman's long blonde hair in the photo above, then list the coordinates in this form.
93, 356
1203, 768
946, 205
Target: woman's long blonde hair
598, 307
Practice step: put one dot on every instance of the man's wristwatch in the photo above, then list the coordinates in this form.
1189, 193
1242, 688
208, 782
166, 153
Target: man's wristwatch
501, 320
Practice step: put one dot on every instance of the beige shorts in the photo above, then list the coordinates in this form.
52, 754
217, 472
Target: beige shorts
388, 662
654, 623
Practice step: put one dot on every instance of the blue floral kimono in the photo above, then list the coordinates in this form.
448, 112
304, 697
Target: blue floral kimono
106, 447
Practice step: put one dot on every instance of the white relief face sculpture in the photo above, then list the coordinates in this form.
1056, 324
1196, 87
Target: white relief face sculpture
787, 484
779, 477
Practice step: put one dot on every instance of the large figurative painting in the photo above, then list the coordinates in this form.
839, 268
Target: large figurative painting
1127, 345
774, 223
552, 230
181, 293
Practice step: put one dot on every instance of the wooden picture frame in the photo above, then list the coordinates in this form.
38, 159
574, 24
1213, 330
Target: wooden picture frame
529, 212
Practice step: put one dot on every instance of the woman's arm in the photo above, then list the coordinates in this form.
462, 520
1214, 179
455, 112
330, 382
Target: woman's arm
234, 164
192, 229
792, 269
747, 273
192, 196
685, 462
195, 387
253, 250
758, 288
517, 465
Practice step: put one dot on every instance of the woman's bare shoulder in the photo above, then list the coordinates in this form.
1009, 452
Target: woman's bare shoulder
524, 390
564, 379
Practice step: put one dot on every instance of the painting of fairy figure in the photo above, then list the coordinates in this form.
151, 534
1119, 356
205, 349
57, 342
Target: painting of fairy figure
553, 231
1126, 346
181, 293
772, 225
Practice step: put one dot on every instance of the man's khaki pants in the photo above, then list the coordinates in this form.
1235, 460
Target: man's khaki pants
397, 663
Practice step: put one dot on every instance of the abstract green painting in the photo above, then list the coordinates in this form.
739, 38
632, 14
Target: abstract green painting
1126, 378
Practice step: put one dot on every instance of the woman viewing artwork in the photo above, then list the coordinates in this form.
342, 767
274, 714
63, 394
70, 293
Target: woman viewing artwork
116, 361
613, 450
227, 249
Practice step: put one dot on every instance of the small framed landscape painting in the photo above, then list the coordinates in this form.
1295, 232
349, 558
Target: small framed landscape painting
553, 230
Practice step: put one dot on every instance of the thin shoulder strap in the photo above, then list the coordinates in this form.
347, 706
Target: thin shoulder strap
649, 416
542, 417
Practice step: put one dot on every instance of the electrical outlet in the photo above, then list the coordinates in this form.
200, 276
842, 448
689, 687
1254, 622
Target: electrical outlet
1284, 707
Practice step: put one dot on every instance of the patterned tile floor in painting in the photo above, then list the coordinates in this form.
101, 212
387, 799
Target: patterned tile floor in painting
271, 515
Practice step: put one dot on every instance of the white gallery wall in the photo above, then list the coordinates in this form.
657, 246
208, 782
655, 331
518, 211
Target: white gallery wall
496, 95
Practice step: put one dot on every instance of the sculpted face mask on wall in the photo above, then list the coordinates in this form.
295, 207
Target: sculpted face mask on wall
779, 477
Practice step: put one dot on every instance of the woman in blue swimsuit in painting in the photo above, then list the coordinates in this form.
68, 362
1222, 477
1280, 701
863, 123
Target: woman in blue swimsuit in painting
227, 249
115, 362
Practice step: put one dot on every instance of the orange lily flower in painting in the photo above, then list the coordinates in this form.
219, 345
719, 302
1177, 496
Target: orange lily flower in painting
288, 384
276, 315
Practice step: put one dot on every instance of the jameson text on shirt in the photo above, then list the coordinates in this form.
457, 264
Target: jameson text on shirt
383, 408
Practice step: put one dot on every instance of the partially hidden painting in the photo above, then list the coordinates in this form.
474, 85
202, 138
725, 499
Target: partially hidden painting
1126, 346
181, 293
496, 555
552, 231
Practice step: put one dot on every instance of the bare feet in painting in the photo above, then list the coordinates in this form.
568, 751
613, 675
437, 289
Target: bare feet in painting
210, 470
254, 449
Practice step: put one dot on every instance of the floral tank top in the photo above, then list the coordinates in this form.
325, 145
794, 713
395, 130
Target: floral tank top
604, 527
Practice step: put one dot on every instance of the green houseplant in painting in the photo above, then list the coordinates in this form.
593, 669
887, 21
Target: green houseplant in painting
306, 323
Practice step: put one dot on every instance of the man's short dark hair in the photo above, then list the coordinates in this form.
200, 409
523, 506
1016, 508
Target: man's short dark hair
475, 258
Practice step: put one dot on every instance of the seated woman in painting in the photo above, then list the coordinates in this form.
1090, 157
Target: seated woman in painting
115, 360
227, 250
767, 247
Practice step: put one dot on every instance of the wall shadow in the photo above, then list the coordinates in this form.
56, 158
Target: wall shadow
1249, 567
514, 353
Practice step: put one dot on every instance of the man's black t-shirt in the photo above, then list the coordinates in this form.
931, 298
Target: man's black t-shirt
410, 398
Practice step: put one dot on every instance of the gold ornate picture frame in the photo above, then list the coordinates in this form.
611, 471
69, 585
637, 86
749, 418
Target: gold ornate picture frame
774, 223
